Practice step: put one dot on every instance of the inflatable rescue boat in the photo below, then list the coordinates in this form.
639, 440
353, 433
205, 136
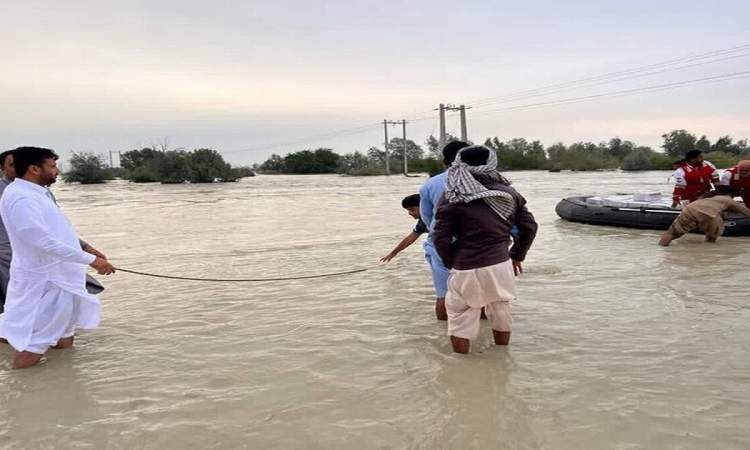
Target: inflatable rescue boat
646, 211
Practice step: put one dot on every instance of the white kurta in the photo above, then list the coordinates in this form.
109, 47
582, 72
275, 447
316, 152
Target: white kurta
47, 296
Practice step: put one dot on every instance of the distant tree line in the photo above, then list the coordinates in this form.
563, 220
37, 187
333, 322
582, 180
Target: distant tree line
207, 166
371, 162
514, 154
163, 166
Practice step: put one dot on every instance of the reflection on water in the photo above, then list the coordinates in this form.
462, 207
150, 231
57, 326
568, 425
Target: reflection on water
618, 343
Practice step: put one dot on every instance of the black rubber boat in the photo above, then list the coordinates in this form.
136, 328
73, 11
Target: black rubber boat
652, 217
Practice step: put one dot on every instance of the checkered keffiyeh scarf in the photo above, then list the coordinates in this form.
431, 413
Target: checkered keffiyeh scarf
463, 187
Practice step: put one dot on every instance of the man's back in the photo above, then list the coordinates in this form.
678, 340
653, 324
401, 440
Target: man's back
713, 206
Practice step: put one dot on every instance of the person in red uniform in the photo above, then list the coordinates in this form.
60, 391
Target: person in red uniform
738, 179
694, 177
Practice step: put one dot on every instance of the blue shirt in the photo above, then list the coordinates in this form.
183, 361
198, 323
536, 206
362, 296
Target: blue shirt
430, 194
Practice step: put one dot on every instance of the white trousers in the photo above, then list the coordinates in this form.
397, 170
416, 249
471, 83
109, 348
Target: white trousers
56, 318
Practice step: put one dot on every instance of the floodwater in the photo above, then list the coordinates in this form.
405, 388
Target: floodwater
617, 343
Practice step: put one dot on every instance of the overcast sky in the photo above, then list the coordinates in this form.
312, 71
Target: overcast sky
251, 78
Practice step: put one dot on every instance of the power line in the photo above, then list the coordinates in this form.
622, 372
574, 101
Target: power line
624, 92
308, 139
596, 80
613, 80
617, 74
609, 77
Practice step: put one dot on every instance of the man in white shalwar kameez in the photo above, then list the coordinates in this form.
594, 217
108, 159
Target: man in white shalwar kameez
47, 298
7, 167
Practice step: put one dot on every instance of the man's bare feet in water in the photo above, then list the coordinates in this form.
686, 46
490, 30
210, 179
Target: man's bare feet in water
64, 343
460, 345
501, 337
440, 311
24, 360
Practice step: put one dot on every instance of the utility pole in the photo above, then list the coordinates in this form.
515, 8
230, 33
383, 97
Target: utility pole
448, 107
387, 162
406, 166
442, 127
387, 122
111, 161
462, 108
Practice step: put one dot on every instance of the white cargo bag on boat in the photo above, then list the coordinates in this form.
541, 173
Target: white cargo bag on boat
615, 202
648, 197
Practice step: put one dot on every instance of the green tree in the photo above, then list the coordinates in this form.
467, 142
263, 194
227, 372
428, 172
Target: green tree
660, 161
618, 148
742, 148
87, 168
678, 142
536, 156
518, 154
358, 163
327, 159
414, 153
703, 144
726, 144
207, 165
174, 167
178, 166
141, 166
376, 156
723, 144
494, 143
300, 162
322, 160
581, 156
722, 160
433, 145
352, 161
274, 164
636, 160
555, 155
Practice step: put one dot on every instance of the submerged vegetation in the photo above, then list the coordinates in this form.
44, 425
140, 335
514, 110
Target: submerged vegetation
206, 165
514, 154
88, 168
163, 166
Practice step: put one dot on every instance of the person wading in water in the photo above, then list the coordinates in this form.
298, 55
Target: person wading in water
472, 235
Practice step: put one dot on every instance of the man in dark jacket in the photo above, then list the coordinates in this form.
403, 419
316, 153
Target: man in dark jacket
472, 236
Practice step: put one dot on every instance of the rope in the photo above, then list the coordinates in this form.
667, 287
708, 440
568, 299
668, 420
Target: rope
245, 280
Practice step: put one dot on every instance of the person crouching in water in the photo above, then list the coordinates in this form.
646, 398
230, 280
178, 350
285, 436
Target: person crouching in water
706, 215
472, 236
411, 204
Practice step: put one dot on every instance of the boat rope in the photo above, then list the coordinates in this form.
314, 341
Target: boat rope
246, 280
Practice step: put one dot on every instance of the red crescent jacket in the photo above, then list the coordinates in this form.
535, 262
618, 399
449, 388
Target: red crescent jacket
691, 182
740, 185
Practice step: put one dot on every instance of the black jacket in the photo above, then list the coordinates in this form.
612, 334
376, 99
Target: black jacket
471, 235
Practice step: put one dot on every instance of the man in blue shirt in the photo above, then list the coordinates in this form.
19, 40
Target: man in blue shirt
430, 195
411, 205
